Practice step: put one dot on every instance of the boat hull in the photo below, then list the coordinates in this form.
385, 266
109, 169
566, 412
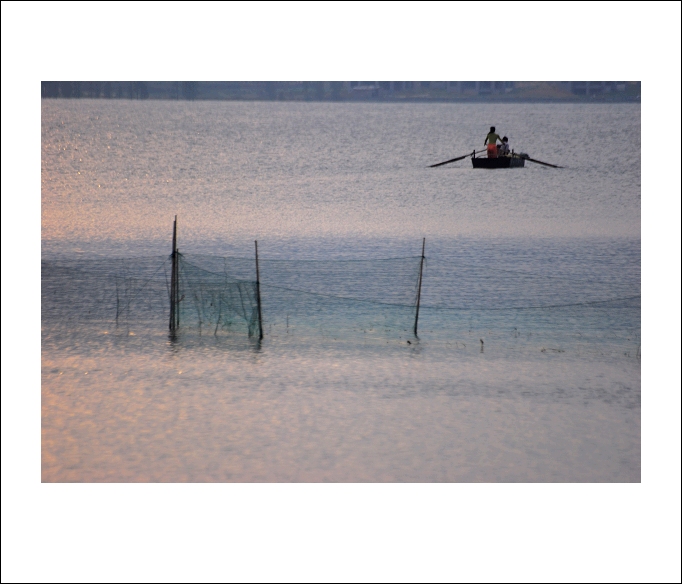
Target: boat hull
501, 162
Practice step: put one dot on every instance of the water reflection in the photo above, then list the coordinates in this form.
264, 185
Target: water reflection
207, 410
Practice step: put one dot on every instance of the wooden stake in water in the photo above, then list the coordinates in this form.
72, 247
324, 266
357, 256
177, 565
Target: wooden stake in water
172, 324
177, 286
260, 313
419, 290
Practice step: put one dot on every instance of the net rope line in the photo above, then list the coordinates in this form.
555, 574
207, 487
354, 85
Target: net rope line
106, 260
120, 274
424, 306
347, 298
590, 280
231, 279
283, 260
538, 307
433, 307
519, 272
320, 294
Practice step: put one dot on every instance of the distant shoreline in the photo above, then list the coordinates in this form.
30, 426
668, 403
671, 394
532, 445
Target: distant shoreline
351, 91
395, 101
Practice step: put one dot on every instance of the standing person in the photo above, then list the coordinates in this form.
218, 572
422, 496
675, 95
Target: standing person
491, 140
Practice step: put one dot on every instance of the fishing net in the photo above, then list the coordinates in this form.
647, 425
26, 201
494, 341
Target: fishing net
107, 293
347, 299
211, 299
218, 295
369, 298
547, 306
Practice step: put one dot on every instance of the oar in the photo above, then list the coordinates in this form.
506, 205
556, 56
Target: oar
454, 159
540, 162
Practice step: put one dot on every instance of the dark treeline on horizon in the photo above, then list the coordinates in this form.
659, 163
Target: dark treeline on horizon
116, 89
346, 90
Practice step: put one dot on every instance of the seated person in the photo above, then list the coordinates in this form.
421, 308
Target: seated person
503, 149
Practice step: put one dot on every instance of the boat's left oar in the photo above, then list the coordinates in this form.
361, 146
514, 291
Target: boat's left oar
456, 159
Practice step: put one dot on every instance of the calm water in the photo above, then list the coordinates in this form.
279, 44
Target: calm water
527, 366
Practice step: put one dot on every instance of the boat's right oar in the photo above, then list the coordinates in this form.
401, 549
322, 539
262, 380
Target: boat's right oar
455, 159
543, 163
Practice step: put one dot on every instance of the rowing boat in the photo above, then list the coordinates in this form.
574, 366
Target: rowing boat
499, 162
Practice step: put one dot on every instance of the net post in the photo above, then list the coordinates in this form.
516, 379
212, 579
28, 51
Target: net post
419, 290
172, 323
260, 313
177, 284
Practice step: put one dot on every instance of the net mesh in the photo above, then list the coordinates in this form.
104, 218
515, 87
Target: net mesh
218, 295
343, 298
213, 300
